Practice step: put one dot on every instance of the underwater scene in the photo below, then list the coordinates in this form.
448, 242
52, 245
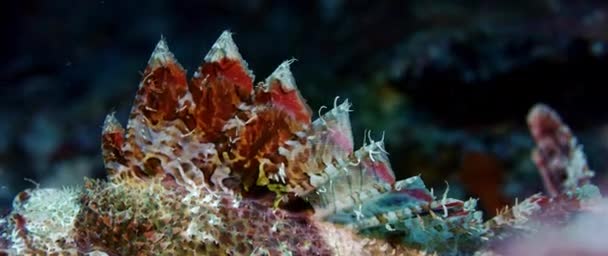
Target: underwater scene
304, 128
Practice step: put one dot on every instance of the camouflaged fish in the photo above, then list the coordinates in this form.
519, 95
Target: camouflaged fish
220, 165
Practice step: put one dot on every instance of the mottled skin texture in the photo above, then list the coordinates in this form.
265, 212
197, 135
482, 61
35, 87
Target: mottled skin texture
159, 220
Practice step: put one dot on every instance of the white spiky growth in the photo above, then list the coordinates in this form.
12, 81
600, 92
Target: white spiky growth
283, 74
224, 47
373, 148
161, 54
518, 216
50, 215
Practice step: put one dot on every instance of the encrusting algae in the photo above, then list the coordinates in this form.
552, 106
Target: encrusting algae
218, 165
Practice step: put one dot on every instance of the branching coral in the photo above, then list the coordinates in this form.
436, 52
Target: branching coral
217, 166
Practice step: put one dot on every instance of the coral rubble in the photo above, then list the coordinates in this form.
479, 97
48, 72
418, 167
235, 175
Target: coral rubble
218, 165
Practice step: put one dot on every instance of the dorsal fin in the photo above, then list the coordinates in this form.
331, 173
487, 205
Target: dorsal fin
214, 130
281, 91
349, 178
333, 132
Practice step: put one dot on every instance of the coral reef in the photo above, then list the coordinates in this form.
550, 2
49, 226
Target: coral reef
218, 165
